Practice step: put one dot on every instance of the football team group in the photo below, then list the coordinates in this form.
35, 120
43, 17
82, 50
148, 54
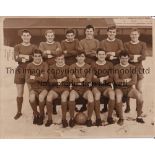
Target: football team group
108, 71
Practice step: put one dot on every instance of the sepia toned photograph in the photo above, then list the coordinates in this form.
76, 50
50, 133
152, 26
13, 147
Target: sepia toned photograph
77, 77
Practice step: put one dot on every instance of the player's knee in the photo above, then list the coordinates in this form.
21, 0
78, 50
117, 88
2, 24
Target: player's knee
32, 98
119, 98
72, 96
65, 95
90, 97
49, 98
112, 95
97, 96
64, 98
41, 98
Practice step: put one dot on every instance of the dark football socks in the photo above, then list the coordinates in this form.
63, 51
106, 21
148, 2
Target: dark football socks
97, 109
49, 107
71, 105
19, 107
64, 110
90, 109
111, 106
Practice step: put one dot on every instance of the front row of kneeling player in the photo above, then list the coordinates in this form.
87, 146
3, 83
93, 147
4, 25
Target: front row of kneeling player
81, 79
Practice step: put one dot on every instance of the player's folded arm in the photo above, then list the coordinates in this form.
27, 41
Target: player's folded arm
42, 78
141, 58
16, 54
109, 80
131, 56
133, 80
95, 80
143, 53
117, 80
29, 80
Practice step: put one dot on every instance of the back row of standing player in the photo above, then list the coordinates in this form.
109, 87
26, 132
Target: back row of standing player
70, 46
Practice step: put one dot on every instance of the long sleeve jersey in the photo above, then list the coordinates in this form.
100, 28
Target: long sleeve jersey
121, 73
41, 75
136, 49
56, 72
76, 72
70, 47
23, 50
89, 45
102, 71
54, 48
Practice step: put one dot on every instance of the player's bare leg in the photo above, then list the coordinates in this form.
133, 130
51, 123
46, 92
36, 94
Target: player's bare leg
119, 109
139, 88
134, 93
49, 105
64, 97
97, 96
88, 95
19, 99
109, 92
42, 97
72, 97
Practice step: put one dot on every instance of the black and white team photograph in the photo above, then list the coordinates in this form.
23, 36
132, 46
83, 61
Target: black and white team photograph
81, 77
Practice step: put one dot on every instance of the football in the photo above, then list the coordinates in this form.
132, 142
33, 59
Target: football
80, 118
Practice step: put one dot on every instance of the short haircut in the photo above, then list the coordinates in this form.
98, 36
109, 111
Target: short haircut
25, 31
37, 51
123, 53
100, 49
49, 31
113, 27
80, 53
59, 55
135, 29
70, 31
89, 27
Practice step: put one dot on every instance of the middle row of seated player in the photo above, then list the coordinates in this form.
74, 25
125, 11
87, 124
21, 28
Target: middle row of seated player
38, 73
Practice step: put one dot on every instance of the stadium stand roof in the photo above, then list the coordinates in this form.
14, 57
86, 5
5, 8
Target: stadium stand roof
57, 22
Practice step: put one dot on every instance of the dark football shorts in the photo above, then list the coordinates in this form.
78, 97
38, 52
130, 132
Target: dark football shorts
37, 92
103, 89
125, 91
80, 90
60, 90
20, 74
